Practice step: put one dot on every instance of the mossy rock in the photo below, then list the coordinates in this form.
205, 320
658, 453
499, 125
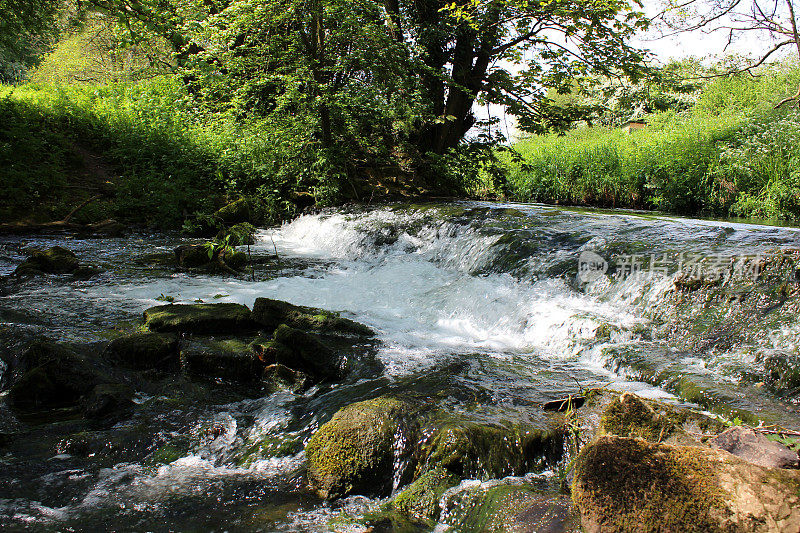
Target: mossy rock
84, 272
272, 313
199, 318
267, 446
631, 485
304, 352
363, 449
483, 451
108, 403
145, 351
622, 414
230, 359
239, 234
419, 502
192, 255
782, 372
235, 212
54, 260
281, 377
54, 377
508, 508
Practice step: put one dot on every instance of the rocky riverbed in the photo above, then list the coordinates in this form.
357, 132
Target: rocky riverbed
405, 368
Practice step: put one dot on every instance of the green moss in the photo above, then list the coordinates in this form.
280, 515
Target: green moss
508, 507
356, 451
199, 318
420, 500
623, 484
268, 446
272, 313
630, 416
474, 450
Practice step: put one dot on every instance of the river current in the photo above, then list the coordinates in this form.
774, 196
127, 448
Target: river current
487, 308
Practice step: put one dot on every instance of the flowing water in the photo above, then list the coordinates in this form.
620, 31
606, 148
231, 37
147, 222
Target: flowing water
481, 307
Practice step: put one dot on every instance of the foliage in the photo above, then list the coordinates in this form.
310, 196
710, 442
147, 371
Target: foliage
170, 157
730, 154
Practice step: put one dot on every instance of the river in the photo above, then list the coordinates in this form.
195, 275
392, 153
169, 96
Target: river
483, 307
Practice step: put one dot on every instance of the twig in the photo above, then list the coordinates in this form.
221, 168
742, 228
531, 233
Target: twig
81, 206
274, 247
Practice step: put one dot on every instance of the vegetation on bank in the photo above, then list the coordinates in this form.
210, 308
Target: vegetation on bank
729, 154
150, 154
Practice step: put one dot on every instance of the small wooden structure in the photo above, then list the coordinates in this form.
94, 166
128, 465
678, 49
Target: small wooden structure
634, 124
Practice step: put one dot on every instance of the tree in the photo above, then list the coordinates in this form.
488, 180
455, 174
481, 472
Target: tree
27, 29
775, 20
390, 83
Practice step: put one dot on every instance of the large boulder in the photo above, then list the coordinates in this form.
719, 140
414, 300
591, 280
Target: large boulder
145, 351
366, 448
54, 260
199, 318
302, 352
272, 313
631, 485
231, 359
53, 376
235, 212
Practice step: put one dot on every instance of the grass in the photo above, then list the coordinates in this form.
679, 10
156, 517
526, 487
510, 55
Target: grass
166, 158
730, 155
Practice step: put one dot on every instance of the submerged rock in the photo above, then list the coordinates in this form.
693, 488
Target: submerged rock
630, 485
54, 260
483, 451
755, 448
364, 449
419, 502
282, 377
509, 508
145, 351
199, 318
272, 313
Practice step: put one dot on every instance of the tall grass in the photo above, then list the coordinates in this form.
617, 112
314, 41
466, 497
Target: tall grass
732, 154
171, 158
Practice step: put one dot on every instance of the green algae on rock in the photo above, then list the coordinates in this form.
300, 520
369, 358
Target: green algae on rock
54, 260
630, 485
366, 448
475, 450
272, 313
199, 318
499, 507
145, 351
419, 501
